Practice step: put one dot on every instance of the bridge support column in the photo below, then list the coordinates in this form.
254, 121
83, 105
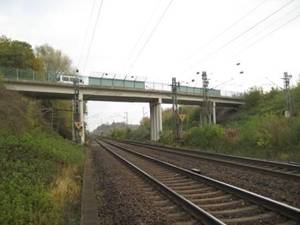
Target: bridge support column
81, 117
214, 113
155, 119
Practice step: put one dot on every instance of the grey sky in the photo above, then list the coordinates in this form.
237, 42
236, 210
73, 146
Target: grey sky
181, 45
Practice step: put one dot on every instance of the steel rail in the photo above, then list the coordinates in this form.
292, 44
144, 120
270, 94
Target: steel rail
279, 207
197, 212
274, 168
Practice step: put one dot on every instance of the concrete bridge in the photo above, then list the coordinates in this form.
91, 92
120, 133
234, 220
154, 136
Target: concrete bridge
43, 89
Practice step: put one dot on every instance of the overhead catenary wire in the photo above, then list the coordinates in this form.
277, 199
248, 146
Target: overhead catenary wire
224, 31
271, 32
152, 33
144, 30
79, 58
264, 30
273, 23
93, 34
244, 32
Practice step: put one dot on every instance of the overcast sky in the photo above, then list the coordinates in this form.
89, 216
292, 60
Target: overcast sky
159, 39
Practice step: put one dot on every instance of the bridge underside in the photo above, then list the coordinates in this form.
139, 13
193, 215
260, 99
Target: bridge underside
110, 98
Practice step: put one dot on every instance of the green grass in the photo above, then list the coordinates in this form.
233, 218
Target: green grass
40, 172
30, 165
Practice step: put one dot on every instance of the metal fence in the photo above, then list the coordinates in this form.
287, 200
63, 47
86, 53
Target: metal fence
107, 82
25, 74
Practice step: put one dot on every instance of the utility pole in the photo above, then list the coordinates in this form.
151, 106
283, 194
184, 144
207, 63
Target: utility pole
288, 111
175, 108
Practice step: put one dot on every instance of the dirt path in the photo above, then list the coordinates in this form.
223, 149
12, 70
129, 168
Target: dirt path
89, 211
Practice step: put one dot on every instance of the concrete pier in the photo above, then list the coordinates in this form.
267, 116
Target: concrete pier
155, 119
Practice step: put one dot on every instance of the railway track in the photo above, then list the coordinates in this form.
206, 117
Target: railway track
280, 169
207, 200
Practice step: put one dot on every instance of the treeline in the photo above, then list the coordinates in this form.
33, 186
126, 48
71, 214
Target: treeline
45, 61
142, 132
258, 129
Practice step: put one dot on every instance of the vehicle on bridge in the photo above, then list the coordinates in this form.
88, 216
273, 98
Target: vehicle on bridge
67, 79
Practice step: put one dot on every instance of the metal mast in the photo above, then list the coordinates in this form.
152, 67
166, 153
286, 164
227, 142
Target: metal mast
206, 104
288, 111
175, 108
76, 112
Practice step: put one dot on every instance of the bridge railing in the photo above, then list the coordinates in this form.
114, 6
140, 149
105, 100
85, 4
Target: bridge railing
191, 90
26, 74
29, 74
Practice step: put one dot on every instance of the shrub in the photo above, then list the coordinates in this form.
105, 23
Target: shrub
167, 137
208, 136
119, 133
273, 131
253, 97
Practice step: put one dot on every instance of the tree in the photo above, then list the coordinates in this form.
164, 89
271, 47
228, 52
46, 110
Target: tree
54, 61
18, 54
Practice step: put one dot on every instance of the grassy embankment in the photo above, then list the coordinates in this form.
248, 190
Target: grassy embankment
40, 172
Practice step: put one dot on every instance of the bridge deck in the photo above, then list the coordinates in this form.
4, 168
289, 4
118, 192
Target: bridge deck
43, 89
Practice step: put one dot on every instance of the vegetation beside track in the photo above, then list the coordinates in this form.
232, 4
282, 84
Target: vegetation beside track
40, 172
259, 129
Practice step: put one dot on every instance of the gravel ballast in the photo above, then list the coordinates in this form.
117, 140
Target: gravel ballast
124, 197
279, 189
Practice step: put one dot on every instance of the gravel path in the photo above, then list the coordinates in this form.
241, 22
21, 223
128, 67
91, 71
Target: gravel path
89, 213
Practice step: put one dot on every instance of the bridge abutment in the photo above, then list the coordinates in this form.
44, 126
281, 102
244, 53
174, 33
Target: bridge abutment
155, 119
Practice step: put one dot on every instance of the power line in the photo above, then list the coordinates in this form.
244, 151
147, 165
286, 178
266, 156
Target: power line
275, 22
79, 58
246, 31
144, 31
93, 34
271, 32
152, 32
228, 28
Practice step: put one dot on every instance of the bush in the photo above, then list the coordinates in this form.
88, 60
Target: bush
141, 133
273, 132
253, 97
167, 137
208, 136
119, 133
